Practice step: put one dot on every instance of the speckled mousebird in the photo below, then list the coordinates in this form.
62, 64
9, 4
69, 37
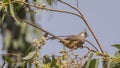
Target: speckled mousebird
75, 41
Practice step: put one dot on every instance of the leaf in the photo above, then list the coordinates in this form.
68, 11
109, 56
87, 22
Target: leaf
21, 65
117, 54
3, 17
116, 46
4, 13
50, 2
53, 63
7, 40
94, 63
46, 59
30, 55
15, 44
39, 2
6, 1
12, 12
110, 64
37, 33
87, 63
23, 28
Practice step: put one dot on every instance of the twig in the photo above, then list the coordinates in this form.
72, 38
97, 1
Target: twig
87, 52
39, 28
71, 6
11, 54
92, 45
77, 2
84, 55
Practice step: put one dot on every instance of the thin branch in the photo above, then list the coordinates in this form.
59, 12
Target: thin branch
71, 6
11, 54
92, 45
84, 56
62, 11
87, 52
77, 2
39, 28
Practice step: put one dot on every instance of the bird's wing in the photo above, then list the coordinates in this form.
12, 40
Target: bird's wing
72, 38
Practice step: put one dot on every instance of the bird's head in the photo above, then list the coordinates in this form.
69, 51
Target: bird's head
84, 33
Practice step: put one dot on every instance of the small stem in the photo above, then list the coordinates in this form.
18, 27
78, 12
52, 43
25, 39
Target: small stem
92, 45
62, 11
86, 53
39, 28
70, 6
77, 2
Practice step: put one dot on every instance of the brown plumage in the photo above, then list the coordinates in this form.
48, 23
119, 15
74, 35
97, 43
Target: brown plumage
75, 41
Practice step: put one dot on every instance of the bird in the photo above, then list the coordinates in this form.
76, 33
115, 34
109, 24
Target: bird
75, 41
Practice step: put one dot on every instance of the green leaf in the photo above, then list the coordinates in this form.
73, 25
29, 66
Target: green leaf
53, 63
23, 28
46, 59
110, 64
6, 1
7, 40
50, 2
39, 2
94, 63
2, 18
37, 33
21, 65
116, 46
12, 12
15, 44
87, 63
30, 55
117, 54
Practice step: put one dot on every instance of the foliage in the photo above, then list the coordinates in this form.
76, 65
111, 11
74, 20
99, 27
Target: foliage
17, 30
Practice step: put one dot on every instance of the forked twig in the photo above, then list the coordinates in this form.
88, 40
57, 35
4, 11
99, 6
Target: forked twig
92, 45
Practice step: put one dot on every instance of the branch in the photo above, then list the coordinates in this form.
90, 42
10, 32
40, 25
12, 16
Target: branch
84, 56
39, 28
77, 2
92, 45
71, 6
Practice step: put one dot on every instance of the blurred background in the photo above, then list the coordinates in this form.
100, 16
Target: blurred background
103, 16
